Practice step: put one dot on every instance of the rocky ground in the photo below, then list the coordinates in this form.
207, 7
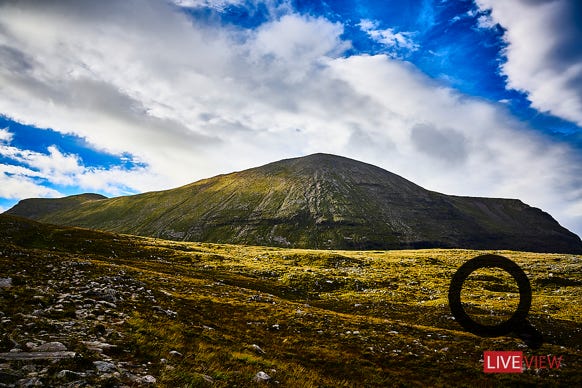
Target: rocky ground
81, 308
65, 325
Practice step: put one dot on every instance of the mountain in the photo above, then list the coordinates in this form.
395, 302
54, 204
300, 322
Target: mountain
36, 208
317, 201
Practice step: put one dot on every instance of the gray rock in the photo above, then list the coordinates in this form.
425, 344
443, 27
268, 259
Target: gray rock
51, 347
98, 346
5, 282
107, 304
175, 353
109, 379
130, 376
32, 382
208, 379
257, 349
104, 367
5, 366
169, 313
28, 368
261, 377
148, 379
69, 374
36, 355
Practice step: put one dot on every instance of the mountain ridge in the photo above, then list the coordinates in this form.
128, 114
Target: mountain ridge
318, 201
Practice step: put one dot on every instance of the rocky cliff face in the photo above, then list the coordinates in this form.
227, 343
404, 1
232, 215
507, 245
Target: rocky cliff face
317, 201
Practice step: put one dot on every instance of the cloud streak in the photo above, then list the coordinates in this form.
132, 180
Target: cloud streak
192, 98
544, 54
397, 43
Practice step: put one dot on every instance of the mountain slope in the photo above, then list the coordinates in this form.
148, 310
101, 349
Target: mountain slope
39, 207
317, 201
197, 315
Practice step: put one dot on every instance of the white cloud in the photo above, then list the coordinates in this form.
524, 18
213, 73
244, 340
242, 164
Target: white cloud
295, 39
273, 8
193, 99
485, 21
26, 174
216, 4
55, 165
5, 135
544, 54
17, 186
398, 42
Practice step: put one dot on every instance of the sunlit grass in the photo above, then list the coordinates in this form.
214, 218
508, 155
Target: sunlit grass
320, 318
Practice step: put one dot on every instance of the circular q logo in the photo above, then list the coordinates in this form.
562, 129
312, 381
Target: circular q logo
517, 323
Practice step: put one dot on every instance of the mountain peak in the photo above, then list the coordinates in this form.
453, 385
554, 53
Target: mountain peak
315, 201
323, 159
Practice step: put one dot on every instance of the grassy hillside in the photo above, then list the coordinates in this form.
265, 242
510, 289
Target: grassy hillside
318, 201
191, 314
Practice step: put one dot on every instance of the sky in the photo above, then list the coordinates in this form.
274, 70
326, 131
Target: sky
476, 97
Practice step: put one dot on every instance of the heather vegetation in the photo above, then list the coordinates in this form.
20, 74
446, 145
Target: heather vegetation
133, 311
